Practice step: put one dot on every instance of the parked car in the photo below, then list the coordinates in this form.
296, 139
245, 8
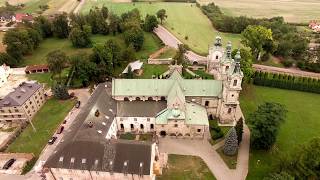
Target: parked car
60, 130
78, 104
52, 140
9, 163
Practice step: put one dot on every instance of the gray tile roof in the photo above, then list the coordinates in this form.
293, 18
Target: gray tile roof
20, 95
140, 108
82, 142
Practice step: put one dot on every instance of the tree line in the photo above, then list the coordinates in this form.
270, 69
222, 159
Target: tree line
283, 39
78, 28
284, 81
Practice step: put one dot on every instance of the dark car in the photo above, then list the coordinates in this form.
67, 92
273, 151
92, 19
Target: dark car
60, 130
52, 140
78, 104
9, 163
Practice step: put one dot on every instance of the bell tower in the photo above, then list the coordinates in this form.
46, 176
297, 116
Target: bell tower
231, 91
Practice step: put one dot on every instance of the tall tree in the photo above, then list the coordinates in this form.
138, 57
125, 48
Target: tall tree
179, 57
56, 61
114, 24
239, 129
80, 38
45, 26
60, 91
150, 23
264, 124
135, 37
245, 63
60, 26
231, 143
161, 14
128, 55
256, 37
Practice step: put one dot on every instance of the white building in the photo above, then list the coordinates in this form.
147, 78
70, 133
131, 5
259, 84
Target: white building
5, 71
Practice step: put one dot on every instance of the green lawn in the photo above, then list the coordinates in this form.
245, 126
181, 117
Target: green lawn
169, 53
151, 44
231, 161
46, 122
128, 136
302, 123
32, 6
203, 74
186, 168
184, 19
152, 69
45, 78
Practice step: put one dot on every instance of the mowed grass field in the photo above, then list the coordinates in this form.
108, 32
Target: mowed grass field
151, 44
302, 123
46, 121
184, 20
291, 10
182, 167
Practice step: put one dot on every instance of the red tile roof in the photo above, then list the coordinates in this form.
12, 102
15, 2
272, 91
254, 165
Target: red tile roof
23, 16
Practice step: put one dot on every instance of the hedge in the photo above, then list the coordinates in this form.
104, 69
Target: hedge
285, 81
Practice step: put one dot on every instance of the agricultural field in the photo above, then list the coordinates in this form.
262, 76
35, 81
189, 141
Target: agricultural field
151, 44
185, 21
293, 11
302, 124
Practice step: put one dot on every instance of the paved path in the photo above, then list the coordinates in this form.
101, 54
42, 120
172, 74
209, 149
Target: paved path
289, 71
170, 40
78, 8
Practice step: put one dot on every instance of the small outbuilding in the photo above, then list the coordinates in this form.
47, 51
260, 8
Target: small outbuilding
136, 67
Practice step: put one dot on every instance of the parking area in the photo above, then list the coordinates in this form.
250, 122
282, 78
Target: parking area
20, 160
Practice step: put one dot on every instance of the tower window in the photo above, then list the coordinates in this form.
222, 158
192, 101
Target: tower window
229, 110
235, 82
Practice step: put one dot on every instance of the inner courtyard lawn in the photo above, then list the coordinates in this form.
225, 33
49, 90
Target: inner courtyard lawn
185, 21
151, 44
302, 124
182, 167
46, 122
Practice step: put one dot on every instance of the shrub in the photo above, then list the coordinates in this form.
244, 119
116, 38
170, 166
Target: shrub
287, 63
60, 91
239, 129
231, 143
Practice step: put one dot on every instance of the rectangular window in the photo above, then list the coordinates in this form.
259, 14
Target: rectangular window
235, 82
198, 130
206, 103
176, 125
135, 119
16, 110
148, 119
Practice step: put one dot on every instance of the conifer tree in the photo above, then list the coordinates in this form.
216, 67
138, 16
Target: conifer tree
231, 143
239, 130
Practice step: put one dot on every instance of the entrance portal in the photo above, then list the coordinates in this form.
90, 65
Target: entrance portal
163, 133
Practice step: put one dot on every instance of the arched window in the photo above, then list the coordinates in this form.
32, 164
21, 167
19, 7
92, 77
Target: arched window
195, 63
138, 99
206, 103
150, 98
163, 98
151, 126
131, 126
141, 126
217, 57
126, 99
227, 67
121, 127
229, 110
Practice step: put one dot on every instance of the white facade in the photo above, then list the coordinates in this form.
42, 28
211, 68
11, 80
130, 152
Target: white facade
5, 71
